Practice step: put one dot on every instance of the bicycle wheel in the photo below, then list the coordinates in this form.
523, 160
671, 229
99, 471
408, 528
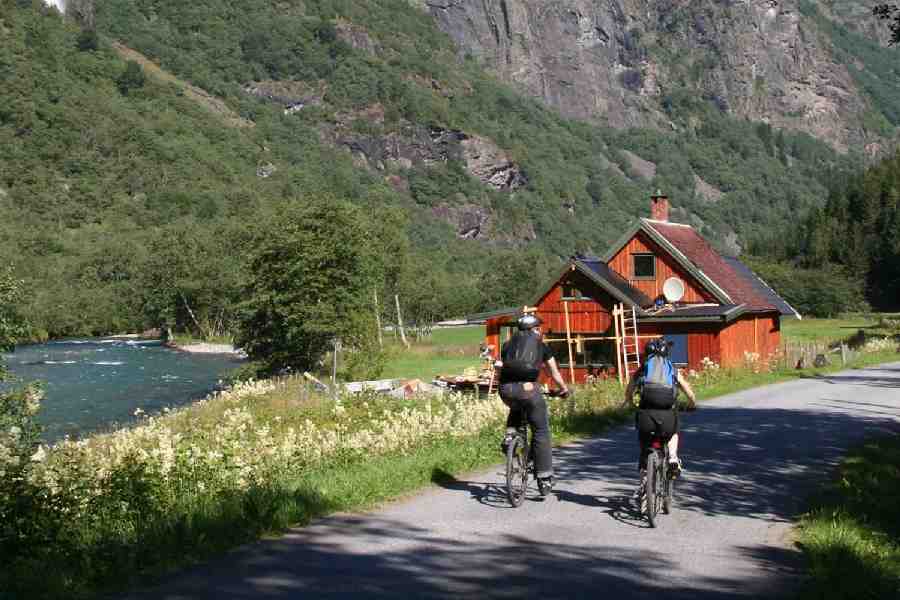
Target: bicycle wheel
517, 470
652, 487
670, 489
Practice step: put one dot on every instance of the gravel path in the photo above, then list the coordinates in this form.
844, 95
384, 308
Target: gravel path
752, 459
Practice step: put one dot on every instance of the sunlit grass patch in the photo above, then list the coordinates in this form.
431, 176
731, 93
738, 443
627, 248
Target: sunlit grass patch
851, 536
822, 330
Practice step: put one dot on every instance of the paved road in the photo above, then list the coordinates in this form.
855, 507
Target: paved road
752, 459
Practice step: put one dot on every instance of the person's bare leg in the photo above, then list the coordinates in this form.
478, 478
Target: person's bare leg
673, 448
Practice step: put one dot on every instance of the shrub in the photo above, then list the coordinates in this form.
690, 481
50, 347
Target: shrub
132, 78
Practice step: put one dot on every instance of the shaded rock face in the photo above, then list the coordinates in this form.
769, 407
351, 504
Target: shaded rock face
469, 220
488, 163
614, 62
266, 170
706, 191
416, 145
475, 222
292, 95
357, 37
566, 53
639, 166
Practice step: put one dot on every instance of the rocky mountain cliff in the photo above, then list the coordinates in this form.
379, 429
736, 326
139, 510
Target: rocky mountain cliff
621, 62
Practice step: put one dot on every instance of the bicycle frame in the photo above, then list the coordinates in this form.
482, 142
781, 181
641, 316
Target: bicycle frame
659, 485
519, 464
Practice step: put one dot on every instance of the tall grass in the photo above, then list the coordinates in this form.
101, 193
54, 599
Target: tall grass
110, 510
851, 536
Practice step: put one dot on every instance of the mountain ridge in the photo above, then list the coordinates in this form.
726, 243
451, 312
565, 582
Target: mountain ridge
363, 101
615, 63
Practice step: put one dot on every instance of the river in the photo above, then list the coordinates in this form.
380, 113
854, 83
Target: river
98, 384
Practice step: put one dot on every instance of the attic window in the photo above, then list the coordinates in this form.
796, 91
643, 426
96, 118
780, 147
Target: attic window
643, 266
570, 292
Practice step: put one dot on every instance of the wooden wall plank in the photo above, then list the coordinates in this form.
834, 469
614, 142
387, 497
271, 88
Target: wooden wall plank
665, 267
751, 333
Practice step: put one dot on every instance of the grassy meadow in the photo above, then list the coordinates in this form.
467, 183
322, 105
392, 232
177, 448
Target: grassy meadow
447, 351
829, 330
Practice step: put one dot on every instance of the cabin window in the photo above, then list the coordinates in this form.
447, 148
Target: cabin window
586, 353
678, 354
570, 292
643, 266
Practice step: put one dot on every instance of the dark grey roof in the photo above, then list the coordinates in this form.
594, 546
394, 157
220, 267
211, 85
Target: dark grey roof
599, 269
500, 312
762, 287
704, 312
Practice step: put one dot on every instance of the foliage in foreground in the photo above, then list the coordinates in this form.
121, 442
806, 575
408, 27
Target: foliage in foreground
850, 537
254, 459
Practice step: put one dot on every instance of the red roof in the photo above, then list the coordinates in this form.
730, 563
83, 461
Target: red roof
698, 251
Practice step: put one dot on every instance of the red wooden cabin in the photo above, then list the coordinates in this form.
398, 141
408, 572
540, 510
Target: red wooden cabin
723, 312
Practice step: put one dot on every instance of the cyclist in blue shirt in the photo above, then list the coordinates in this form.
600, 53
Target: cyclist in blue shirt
658, 382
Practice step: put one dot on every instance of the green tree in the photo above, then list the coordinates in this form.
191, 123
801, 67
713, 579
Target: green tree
88, 40
132, 78
11, 327
19, 434
190, 278
821, 292
311, 280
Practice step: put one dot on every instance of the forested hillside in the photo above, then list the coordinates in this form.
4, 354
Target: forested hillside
132, 195
847, 252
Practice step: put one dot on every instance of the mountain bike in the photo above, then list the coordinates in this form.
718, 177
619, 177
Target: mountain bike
660, 485
520, 462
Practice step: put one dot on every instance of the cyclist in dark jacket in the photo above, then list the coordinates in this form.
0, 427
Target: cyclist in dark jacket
658, 410
521, 359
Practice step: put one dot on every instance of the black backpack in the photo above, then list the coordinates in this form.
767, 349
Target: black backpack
522, 358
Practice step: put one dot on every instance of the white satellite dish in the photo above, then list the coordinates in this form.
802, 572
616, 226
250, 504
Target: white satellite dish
673, 290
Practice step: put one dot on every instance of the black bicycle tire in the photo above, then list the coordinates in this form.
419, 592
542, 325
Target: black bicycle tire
650, 488
670, 488
516, 480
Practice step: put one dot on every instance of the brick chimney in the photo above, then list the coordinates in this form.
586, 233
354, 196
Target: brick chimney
659, 207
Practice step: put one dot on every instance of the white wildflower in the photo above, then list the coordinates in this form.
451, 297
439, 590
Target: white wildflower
39, 455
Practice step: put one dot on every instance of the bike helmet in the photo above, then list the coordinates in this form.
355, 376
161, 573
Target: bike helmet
528, 322
659, 347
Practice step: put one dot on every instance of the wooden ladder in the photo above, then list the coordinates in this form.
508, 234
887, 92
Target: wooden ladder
628, 350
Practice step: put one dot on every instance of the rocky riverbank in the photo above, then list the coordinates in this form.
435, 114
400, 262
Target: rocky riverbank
207, 348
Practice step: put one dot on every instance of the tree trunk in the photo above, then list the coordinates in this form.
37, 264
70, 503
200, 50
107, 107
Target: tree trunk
378, 319
203, 333
400, 322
